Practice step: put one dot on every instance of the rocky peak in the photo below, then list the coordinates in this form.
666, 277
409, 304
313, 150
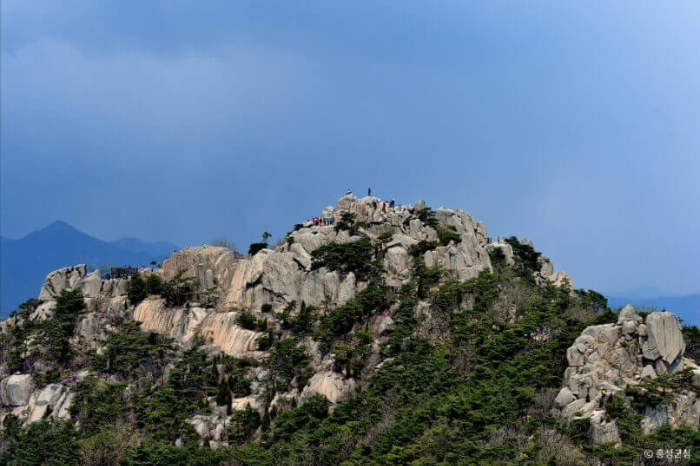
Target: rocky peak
276, 282
608, 358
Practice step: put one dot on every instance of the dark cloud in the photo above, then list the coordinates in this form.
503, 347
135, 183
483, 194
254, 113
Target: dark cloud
187, 120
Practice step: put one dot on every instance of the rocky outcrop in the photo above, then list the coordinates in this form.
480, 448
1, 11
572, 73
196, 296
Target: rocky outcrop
609, 358
18, 393
329, 384
505, 248
561, 280
16, 389
184, 324
67, 278
77, 278
664, 339
210, 266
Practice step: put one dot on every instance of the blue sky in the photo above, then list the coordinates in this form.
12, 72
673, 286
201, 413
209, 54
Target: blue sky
571, 123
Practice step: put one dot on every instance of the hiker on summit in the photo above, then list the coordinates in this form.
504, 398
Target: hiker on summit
369, 192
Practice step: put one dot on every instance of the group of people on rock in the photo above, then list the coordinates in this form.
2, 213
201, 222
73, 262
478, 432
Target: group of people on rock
322, 221
391, 204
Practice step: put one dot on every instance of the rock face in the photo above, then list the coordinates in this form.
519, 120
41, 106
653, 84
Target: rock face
282, 275
77, 278
29, 404
184, 324
329, 384
16, 389
612, 357
62, 279
210, 266
227, 284
664, 338
562, 280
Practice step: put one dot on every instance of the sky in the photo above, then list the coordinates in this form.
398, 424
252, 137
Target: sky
574, 124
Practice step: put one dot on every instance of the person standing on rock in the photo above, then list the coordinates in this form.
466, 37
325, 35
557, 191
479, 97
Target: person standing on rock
369, 192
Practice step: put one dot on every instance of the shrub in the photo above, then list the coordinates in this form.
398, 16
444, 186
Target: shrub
179, 289
223, 395
447, 234
306, 416
525, 256
385, 237
247, 321
44, 443
137, 289
130, 348
287, 360
256, 247
498, 259
422, 247
347, 222
264, 341
348, 257
592, 300
426, 277
341, 319
691, 335
224, 242
427, 216
57, 331
154, 284
243, 425
97, 404
162, 412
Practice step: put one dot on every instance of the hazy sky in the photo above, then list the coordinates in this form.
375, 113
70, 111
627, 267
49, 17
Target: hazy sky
576, 124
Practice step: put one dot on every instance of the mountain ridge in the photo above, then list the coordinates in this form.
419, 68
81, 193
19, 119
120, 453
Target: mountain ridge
374, 334
27, 260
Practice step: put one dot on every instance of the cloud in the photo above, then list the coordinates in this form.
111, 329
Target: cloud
185, 121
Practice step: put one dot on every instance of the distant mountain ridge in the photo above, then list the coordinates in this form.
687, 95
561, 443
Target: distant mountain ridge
24, 262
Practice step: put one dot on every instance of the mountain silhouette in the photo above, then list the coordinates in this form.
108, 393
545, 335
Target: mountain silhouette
24, 262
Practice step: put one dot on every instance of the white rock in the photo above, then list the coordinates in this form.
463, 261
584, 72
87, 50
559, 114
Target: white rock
664, 337
329, 384
16, 389
564, 397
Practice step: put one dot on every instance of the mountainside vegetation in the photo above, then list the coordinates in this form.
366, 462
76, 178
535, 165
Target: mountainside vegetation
456, 379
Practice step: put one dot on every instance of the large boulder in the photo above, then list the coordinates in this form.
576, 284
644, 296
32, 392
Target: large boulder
330, 384
664, 337
67, 278
16, 389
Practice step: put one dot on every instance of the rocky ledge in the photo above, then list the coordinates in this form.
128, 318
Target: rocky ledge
607, 359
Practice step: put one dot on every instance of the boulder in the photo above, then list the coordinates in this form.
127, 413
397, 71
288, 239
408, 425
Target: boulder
329, 384
664, 337
564, 397
628, 313
602, 431
67, 278
16, 389
91, 285
648, 373
562, 280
